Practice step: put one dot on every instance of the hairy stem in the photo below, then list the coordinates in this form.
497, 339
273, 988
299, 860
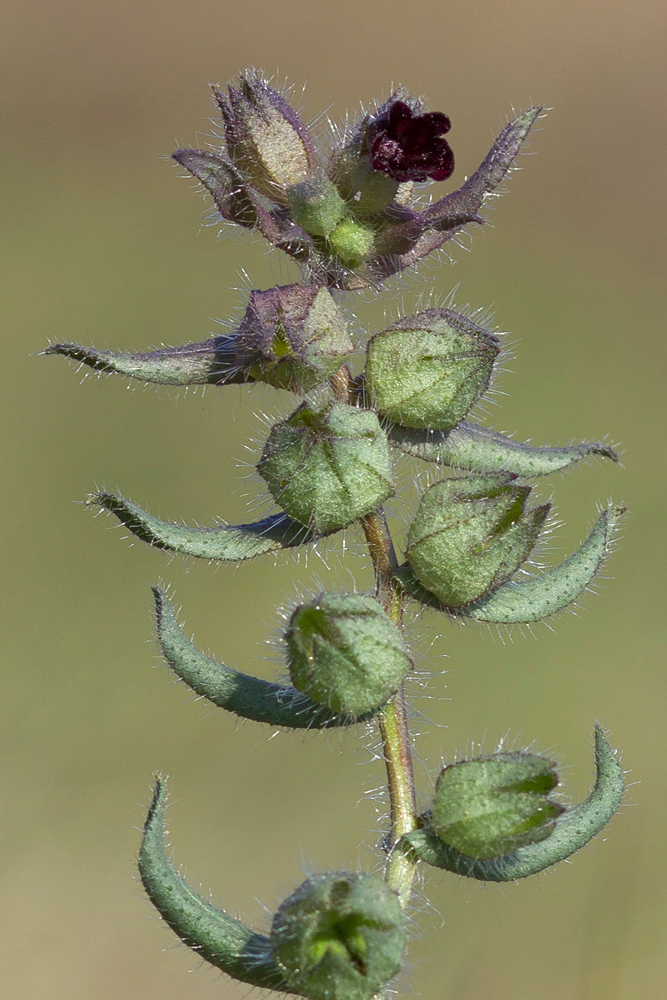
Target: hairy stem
400, 869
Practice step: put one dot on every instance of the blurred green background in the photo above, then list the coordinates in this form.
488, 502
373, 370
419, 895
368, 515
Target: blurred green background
102, 243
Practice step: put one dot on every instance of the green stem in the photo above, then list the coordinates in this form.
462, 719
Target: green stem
400, 870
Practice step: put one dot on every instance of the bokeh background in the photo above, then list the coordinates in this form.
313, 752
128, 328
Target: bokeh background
103, 243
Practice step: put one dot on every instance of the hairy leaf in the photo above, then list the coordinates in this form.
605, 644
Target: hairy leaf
216, 936
210, 362
226, 543
477, 449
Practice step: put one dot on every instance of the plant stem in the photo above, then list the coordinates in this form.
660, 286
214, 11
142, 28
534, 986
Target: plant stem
400, 870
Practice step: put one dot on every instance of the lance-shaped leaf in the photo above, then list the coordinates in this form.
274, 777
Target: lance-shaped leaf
538, 597
211, 362
247, 697
226, 543
573, 829
469, 198
216, 936
468, 446
224, 182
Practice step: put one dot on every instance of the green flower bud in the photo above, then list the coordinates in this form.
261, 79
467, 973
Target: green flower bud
352, 242
471, 534
293, 337
345, 653
266, 140
340, 936
327, 467
491, 806
428, 370
316, 206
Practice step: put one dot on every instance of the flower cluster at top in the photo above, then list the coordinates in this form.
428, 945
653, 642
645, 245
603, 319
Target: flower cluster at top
349, 214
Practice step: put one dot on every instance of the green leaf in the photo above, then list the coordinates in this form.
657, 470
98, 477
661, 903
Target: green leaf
248, 697
211, 362
226, 543
538, 597
477, 449
216, 936
573, 830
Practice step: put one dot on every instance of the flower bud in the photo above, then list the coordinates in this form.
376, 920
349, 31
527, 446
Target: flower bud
491, 806
316, 206
327, 467
341, 934
345, 653
266, 140
351, 242
428, 370
471, 534
293, 337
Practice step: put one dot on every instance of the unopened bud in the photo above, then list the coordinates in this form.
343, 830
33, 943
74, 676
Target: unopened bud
352, 243
428, 370
316, 206
266, 140
340, 935
293, 337
491, 806
345, 653
471, 534
327, 467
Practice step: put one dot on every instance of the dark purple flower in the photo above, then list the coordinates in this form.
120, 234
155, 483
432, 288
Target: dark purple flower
408, 147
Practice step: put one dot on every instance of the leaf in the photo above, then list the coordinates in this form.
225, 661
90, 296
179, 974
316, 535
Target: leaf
477, 449
538, 597
210, 362
216, 936
224, 182
573, 830
469, 198
226, 543
248, 697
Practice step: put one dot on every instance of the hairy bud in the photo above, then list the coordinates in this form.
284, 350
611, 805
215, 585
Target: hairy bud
470, 535
490, 806
428, 370
266, 140
316, 206
327, 467
293, 337
345, 653
340, 935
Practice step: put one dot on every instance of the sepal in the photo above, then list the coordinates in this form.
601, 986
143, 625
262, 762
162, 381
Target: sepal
477, 449
224, 543
470, 535
265, 138
345, 653
245, 696
429, 370
292, 336
212, 933
492, 805
340, 936
327, 467
573, 829
531, 600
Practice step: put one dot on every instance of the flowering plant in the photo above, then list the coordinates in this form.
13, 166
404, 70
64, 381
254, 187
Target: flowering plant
351, 217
